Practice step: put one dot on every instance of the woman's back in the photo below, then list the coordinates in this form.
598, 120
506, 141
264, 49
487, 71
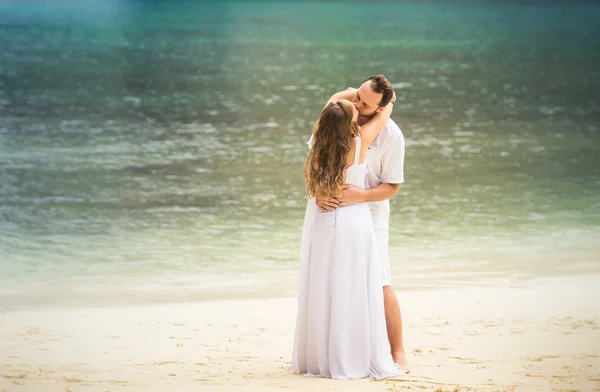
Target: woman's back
357, 171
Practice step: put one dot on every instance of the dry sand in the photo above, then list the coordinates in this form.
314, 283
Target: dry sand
543, 335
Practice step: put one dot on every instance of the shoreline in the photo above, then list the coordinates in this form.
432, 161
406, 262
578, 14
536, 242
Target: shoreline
109, 291
540, 336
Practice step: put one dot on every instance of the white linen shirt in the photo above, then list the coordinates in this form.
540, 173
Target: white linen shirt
385, 161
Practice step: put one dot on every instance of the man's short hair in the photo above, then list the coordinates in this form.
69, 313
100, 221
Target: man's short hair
380, 85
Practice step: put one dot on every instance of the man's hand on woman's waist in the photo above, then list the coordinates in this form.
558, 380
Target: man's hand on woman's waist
352, 195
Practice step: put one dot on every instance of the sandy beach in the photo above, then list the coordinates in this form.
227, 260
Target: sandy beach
541, 335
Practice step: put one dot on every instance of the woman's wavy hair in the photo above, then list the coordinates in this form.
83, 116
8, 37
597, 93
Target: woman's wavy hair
326, 163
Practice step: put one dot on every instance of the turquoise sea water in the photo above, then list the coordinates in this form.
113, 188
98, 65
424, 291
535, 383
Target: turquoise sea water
158, 146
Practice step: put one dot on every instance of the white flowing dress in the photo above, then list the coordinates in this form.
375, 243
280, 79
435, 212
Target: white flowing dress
340, 326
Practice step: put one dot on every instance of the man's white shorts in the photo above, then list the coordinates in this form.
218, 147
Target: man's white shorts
382, 236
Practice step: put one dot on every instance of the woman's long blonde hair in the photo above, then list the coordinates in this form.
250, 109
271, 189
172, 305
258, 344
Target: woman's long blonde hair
332, 140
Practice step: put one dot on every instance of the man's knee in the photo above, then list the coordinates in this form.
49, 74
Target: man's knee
388, 293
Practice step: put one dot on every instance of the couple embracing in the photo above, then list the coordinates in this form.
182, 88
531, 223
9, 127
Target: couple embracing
349, 323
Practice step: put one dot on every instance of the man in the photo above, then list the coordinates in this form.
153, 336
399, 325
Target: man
385, 160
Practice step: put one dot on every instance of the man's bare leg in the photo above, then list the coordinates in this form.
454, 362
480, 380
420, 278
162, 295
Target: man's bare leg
393, 321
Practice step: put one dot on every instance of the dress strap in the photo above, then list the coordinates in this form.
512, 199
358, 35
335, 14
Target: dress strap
357, 151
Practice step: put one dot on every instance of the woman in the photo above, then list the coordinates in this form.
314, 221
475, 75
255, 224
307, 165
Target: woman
340, 328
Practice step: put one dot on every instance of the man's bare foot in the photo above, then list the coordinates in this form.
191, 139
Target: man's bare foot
400, 359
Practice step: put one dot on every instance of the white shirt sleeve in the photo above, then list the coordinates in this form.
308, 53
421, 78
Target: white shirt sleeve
392, 160
309, 143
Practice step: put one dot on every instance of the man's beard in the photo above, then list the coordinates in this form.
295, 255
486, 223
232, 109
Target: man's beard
363, 118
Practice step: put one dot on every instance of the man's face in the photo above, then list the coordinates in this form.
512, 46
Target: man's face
367, 101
